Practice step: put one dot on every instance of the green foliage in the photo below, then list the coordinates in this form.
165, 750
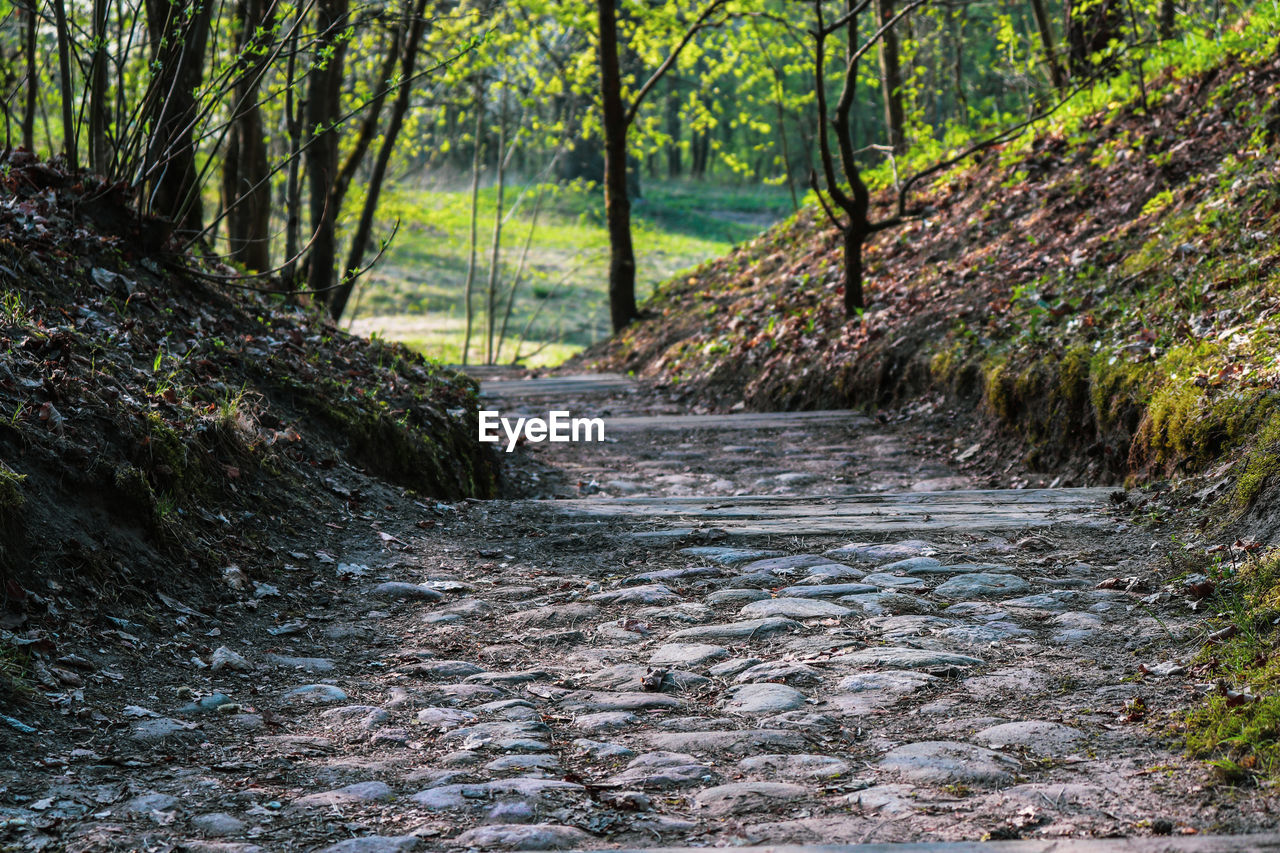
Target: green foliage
1239, 727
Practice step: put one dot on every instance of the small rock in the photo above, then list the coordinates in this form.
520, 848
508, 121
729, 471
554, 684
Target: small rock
981, 585
224, 658
315, 694
218, 824
398, 591
797, 767
360, 792
748, 629
904, 657
793, 608
747, 797
522, 836
946, 762
1038, 737
764, 698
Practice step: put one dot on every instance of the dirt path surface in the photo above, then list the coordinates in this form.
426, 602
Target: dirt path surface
709, 630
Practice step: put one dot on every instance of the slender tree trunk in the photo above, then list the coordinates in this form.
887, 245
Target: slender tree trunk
1056, 75
495, 247
369, 125
65, 86
475, 215
292, 185
958, 18
179, 36
1091, 25
617, 202
853, 239
246, 183
322, 110
99, 147
399, 108
33, 81
1168, 17
674, 165
891, 80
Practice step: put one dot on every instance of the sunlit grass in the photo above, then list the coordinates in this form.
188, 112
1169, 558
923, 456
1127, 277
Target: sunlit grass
415, 293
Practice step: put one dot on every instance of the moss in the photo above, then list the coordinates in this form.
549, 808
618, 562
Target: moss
998, 389
1261, 464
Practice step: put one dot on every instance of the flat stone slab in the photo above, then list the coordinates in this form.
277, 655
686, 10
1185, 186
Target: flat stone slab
883, 552
559, 387
664, 770
747, 629
804, 767
941, 762
763, 698
732, 742
895, 512
727, 556
473, 795
1039, 737
397, 591
652, 593
826, 590
787, 565
884, 580
522, 836
793, 608
600, 700
687, 654
904, 657
892, 681
735, 421
315, 694
743, 797
981, 585
360, 792
786, 671
884, 603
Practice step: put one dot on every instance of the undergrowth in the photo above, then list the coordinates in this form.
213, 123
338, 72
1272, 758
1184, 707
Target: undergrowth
1238, 728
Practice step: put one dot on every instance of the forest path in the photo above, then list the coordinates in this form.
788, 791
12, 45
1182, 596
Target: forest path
709, 630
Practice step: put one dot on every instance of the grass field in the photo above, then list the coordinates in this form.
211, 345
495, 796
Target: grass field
415, 292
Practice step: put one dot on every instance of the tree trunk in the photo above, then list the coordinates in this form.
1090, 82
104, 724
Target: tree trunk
360, 242
64, 78
179, 36
1056, 74
1168, 16
891, 80
246, 170
617, 202
853, 239
292, 184
99, 147
674, 165
958, 18
1091, 26
33, 81
475, 215
322, 110
495, 246
369, 125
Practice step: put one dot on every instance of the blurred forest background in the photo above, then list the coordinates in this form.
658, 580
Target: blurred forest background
434, 170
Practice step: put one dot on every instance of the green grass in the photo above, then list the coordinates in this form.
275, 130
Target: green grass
415, 293
1242, 738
